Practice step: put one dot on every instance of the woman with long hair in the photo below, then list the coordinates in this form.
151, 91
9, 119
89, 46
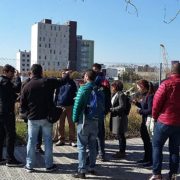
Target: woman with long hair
145, 109
118, 117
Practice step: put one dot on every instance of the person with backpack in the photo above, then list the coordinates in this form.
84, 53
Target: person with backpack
64, 97
145, 109
8, 96
103, 85
118, 116
85, 114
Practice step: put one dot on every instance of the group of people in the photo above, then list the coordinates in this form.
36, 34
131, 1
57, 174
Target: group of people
88, 106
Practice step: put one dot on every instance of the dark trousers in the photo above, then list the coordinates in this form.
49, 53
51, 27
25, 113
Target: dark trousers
147, 142
122, 142
8, 132
101, 138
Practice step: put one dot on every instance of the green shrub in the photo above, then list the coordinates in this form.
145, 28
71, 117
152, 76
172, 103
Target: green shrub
21, 130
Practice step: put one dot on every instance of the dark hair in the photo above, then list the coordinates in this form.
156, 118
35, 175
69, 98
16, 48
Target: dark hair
176, 68
8, 68
36, 69
96, 65
118, 85
91, 74
146, 84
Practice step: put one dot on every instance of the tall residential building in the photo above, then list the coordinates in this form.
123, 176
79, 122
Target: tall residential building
85, 54
23, 61
54, 46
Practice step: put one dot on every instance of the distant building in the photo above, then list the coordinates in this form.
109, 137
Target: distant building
53, 45
85, 54
23, 61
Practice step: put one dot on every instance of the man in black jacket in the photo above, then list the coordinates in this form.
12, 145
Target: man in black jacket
36, 99
8, 90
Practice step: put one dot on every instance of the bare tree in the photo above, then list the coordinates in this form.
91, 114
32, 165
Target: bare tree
130, 3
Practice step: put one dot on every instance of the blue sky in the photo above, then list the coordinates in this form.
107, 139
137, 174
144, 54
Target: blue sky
120, 36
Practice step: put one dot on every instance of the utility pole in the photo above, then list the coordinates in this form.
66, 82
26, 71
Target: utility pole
160, 73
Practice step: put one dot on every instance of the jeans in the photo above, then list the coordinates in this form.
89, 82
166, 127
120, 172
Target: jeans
39, 138
122, 142
147, 142
161, 133
8, 132
33, 130
101, 138
86, 136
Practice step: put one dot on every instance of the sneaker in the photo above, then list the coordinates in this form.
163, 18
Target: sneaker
29, 170
92, 172
39, 150
156, 177
119, 155
60, 143
14, 163
52, 168
172, 177
101, 158
2, 161
73, 144
79, 175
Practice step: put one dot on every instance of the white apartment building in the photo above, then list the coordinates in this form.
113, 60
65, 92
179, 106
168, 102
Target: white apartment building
50, 45
23, 61
85, 54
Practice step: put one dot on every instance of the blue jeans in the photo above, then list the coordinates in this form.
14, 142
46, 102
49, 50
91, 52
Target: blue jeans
86, 136
33, 130
101, 138
161, 133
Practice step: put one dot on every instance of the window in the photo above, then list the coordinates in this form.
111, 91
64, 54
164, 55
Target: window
45, 45
27, 55
39, 45
49, 45
39, 38
54, 52
23, 60
23, 64
27, 60
50, 51
23, 69
44, 57
55, 28
23, 55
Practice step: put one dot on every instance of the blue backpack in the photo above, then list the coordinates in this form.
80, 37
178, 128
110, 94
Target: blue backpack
95, 108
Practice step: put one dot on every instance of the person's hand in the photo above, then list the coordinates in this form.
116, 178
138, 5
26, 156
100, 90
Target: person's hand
134, 101
138, 110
